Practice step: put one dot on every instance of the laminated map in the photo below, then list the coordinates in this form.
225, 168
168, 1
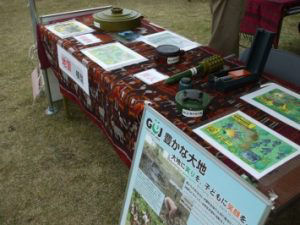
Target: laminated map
252, 145
69, 28
279, 102
113, 56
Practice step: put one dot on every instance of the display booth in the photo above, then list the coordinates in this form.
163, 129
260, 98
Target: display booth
198, 151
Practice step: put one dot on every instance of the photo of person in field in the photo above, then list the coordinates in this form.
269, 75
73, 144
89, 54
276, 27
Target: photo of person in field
157, 165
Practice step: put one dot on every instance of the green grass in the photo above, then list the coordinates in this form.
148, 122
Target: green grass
59, 171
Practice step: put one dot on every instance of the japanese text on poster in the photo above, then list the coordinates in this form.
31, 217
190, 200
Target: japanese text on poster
173, 181
73, 68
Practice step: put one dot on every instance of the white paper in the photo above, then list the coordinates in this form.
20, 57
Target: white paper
150, 76
87, 39
113, 56
250, 98
69, 28
73, 68
169, 38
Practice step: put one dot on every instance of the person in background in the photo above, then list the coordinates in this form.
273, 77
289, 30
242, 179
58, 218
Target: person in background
171, 209
226, 18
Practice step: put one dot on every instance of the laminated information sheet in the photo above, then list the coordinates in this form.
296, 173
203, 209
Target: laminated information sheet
279, 102
253, 146
169, 38
69, 28
113, 56
151, 76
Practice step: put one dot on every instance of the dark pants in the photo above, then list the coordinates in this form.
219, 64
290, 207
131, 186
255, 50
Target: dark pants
226, 17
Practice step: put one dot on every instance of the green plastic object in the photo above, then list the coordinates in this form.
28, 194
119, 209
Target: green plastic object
185, 83
117, 19
192, 102
207, 66
188, 73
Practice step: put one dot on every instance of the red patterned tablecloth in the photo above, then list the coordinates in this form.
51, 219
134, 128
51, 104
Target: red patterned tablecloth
117, 99
267, 14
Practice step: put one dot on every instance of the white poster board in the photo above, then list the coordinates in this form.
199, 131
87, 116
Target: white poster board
173, 180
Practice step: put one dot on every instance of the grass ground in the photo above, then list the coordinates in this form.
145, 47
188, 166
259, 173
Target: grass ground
59, 171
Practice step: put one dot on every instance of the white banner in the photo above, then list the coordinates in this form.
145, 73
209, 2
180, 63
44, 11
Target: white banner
73, 68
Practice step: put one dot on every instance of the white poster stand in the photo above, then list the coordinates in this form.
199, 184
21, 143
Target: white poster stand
173, 180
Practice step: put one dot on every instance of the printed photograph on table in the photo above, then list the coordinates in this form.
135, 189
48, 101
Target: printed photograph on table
172, 182
250, 144
169, 38
279, 102
69, 28
113, 56
151, 76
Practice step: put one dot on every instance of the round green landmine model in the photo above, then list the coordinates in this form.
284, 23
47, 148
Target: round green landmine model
117, 19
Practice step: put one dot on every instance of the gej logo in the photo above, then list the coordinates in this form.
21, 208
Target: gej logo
154, 126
